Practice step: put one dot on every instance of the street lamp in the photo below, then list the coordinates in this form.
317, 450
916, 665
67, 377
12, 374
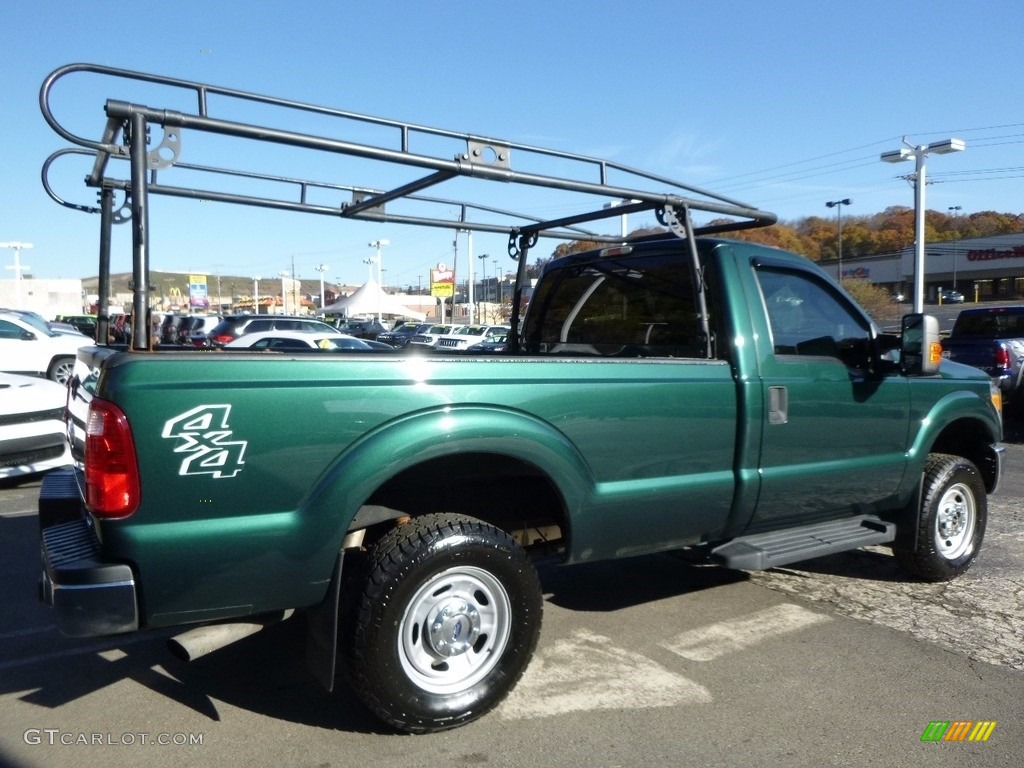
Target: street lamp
321, 269
956, 243
18, 268
483, 282
378, 244
918, 154
256, 294
838, 205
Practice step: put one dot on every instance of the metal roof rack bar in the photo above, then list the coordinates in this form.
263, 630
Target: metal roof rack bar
480, 158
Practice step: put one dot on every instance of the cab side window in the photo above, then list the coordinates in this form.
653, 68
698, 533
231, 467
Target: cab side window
809, 318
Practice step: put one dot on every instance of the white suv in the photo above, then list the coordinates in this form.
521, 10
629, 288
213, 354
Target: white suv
468, 335
32, 348
430, 336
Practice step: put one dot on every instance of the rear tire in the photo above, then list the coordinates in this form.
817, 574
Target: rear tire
951, 521
444, 624
61, 369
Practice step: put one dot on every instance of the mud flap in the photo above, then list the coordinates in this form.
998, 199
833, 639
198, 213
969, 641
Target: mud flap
322, 637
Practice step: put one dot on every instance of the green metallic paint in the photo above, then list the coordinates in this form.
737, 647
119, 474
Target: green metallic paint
652, 438
646, 454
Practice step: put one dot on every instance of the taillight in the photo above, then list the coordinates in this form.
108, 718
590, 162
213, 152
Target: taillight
1002, 358
221, 338
111, 472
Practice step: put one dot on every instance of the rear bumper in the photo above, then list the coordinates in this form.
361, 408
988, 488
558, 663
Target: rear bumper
89, 596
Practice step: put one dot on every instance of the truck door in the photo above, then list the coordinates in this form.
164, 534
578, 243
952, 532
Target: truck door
834, 432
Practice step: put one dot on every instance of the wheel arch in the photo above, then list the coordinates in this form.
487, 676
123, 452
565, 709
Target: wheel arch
452, 451
961, 424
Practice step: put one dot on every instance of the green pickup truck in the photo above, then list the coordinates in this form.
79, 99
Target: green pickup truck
676, 391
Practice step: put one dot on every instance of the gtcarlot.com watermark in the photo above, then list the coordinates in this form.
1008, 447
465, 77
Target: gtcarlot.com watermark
57, 737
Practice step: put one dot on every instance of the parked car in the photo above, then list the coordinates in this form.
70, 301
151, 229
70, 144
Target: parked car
429, 337
84, 323
467, 335
297, 341
29, 346
951, 297
362, 329
38, 320
400, 336
199, 329
169, 328
32, 434
992, 339
495, 343
232, 326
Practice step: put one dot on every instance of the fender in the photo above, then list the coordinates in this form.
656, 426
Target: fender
956, 406
421, 436
956, 409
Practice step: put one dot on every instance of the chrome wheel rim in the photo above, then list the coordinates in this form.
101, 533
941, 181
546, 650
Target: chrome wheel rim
454, 630
955, 522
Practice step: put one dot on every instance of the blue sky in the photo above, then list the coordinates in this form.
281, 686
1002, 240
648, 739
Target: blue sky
783, 105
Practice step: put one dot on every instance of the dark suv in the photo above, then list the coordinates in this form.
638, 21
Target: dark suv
363, 329
400, 336
233, 326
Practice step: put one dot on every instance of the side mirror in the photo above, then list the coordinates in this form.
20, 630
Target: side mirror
920, 348
28, 336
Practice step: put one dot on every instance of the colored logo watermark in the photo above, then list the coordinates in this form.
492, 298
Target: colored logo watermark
958, 730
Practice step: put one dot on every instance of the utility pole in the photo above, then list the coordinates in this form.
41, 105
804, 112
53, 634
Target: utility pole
918, 155
18, 268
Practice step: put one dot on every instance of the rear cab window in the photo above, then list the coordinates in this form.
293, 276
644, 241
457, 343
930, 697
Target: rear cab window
618, 306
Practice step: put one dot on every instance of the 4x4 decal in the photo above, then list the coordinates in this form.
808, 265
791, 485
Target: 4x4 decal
204, 437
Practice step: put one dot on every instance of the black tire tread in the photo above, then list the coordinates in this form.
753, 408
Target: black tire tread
922, 561
386, 559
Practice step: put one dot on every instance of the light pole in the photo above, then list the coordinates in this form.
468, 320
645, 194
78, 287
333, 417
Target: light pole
838, 205
956, 242
18, 268
918, 154
284, 294
378, 244
321, 269
623, 218
256, 294
483, 283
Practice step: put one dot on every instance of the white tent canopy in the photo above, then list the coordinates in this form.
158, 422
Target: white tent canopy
369, 299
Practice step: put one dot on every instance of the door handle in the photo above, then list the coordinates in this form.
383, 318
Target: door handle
778, 405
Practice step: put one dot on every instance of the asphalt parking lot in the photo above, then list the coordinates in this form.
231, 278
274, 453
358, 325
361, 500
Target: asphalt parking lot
652, 661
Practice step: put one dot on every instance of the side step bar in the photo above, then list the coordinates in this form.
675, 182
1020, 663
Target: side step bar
761, 551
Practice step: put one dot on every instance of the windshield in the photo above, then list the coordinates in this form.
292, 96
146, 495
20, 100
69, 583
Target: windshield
37, 322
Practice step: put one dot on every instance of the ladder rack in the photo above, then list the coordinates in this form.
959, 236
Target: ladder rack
399, 152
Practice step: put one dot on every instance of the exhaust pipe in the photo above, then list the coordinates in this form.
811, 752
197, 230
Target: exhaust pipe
189, 646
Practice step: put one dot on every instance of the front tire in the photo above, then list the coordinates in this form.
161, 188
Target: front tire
444, 623
951, 522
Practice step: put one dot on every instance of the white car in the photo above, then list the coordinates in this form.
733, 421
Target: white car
468, 335
430, 336
32, 434
290, 341
30, 347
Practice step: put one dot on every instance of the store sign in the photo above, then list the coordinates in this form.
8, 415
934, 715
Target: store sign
988, 254
198, 295
442, 282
